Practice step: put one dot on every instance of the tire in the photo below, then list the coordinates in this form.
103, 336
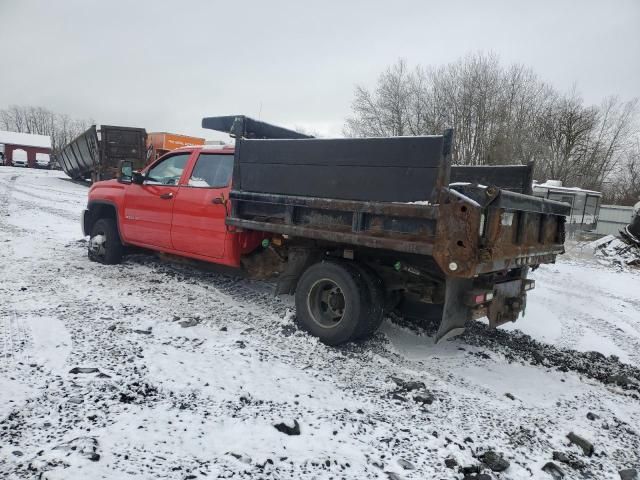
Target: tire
331, 302
107, 250
374, 313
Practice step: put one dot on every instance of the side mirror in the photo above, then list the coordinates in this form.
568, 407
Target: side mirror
137, 178
126, 171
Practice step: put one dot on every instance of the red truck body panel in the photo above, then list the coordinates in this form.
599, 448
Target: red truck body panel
180, 219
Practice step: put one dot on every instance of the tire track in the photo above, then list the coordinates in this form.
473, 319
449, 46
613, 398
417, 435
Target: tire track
47, 209
5, 227
30, 193
572, 331
102, 306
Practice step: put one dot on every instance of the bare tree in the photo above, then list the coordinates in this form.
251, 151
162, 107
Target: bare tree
565, 129
492, 109
610, 141
501, 115
384, 112
624, 185
38, 120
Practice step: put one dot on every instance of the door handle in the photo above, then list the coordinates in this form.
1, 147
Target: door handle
167, 196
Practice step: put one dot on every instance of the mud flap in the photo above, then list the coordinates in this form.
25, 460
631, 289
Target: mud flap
299, 259
455, 313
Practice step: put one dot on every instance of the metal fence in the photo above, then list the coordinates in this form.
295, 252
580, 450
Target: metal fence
612, 218
585, 205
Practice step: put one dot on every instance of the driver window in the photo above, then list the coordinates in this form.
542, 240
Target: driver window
168, 171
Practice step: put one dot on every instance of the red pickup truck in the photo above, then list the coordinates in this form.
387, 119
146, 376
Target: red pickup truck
352, 227
179, 208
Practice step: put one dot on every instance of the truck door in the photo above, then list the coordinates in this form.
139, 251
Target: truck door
199, 211
148, 207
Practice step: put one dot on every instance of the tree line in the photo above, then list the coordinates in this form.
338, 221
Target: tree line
41, 121
507, 115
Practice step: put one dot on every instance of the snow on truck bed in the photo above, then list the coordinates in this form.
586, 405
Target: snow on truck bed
154, 370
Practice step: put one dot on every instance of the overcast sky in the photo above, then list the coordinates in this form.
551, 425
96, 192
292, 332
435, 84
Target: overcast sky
163, 65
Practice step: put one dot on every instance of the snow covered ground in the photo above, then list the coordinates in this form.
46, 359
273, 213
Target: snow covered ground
154, 370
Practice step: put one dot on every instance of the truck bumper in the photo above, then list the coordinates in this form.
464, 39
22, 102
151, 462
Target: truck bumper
506, 302
509, 301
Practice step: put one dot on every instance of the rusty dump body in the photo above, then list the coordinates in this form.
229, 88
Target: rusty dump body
97, 153
389, 203
478, 238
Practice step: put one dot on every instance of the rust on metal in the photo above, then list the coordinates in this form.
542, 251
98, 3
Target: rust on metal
457, 236
412, 210
338, 236
464, 237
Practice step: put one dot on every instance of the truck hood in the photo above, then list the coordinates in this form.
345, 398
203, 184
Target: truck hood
104, 184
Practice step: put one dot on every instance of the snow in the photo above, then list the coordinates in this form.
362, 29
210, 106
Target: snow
19, 154
602, 313
611, 250
526, 381
197, 368
198, 182
591, 341
51, 342
25, 139
417, 202
539, 321
466, 184
600, 241
12, 394
550, 184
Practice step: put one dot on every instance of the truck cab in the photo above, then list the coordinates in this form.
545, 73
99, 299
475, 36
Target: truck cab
177, 205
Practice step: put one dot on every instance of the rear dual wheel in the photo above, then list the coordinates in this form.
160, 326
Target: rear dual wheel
338, 302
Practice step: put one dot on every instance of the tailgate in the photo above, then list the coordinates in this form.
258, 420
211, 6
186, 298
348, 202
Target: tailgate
118, 144
514, 230
522, 230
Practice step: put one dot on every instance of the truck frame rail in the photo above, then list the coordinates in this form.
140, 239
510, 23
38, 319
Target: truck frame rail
507, 231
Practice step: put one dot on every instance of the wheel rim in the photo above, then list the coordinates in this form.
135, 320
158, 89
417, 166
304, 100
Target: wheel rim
98, 244
326, 303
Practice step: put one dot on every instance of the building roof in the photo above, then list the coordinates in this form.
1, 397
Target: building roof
25, 139
559, 188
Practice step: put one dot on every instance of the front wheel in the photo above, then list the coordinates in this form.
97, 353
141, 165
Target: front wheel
104, 242
331, 299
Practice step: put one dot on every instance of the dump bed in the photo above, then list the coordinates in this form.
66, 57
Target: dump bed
96, 154
394, 194
345, 169
515, 178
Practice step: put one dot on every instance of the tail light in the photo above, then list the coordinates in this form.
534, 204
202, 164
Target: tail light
478, 297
